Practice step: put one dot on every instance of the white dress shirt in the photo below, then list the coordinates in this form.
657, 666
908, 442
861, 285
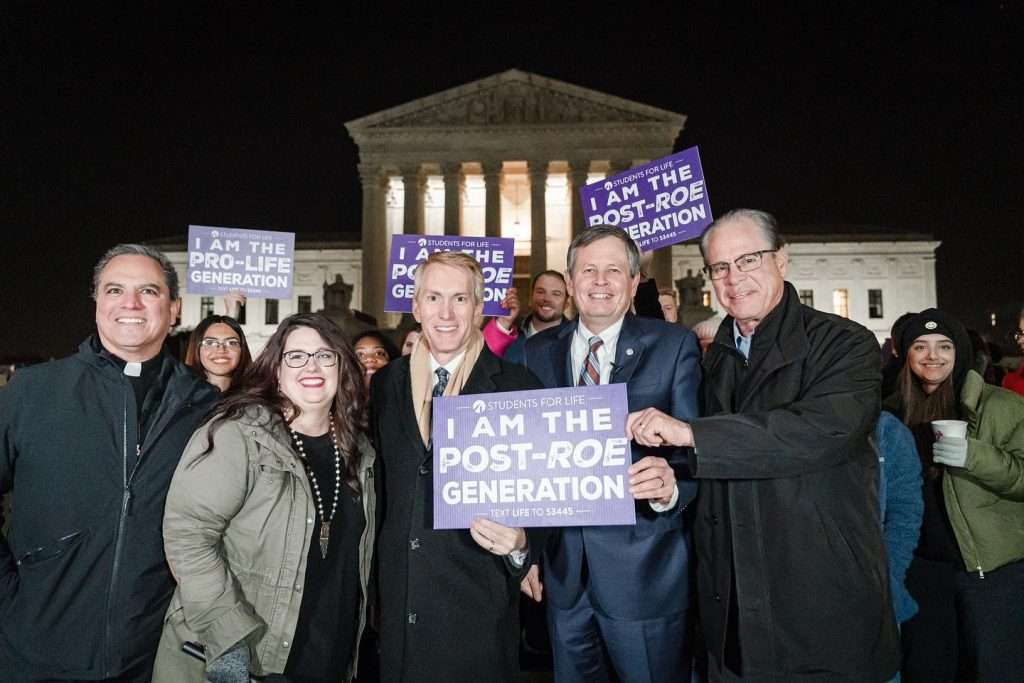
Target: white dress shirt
579, 351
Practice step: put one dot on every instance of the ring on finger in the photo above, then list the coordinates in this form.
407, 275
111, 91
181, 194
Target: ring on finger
661, 483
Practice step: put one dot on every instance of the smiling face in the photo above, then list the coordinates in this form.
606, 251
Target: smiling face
446, 307
931, 357
548, 299
134, 311
220, 361
747, 297
372, 356
600, 284
312, 387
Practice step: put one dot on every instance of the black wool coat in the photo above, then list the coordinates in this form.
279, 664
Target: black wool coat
449, 610
789, 500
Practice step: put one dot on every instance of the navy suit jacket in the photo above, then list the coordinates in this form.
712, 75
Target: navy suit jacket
642, 571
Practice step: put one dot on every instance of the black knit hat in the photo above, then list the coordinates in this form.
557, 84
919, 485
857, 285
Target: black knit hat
934, 321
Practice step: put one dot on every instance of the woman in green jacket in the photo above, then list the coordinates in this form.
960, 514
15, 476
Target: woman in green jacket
967, 574
269, 522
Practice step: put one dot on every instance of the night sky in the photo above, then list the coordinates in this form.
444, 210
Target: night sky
130, 125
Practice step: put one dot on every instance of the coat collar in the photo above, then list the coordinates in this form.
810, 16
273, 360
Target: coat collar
779, 340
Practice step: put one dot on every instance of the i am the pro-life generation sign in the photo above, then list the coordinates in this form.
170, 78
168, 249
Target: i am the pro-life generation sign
258, 263
494, 254
552, 457
658, 204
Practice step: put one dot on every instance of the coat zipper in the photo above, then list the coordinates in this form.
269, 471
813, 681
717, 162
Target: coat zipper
126, 499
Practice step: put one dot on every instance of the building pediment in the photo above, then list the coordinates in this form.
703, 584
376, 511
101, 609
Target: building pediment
515, 99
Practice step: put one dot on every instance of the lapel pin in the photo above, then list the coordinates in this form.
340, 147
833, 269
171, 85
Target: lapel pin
629, 352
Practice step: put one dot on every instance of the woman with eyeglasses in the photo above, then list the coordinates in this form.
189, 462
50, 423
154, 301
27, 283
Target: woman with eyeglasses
269, 521
374, 351
218, 351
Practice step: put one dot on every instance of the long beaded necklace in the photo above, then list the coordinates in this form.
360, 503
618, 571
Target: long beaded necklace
325, 521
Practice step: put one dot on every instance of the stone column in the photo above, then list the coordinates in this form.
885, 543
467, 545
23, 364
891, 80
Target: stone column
374, 239
453, 179
616, 166
492, 188
578, 170
538, 174
415, 182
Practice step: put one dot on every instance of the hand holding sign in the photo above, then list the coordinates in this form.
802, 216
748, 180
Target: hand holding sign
510, 302
497, 538
651, 478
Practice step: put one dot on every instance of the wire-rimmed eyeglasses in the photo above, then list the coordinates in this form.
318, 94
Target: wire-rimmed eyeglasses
325, 358
232, 344
744, 264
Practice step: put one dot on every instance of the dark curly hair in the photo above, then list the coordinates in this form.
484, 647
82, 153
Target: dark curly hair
260, 387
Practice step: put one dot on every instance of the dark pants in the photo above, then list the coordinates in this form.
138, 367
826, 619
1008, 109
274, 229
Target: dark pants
968, 628
590, 647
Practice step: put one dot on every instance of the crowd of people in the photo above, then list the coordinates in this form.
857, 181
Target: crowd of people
806, 508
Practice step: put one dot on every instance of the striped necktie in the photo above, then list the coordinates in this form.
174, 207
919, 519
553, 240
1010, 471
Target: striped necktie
591, 373
442, 382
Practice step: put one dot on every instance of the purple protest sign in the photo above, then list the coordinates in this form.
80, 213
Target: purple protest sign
494, 254
658, 204
552, 457
258, 263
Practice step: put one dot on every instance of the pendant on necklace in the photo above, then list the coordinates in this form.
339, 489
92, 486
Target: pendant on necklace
325, 536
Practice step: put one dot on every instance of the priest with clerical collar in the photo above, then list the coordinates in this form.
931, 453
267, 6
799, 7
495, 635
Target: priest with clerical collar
89, 446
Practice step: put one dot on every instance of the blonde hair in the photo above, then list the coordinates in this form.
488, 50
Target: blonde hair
454, 259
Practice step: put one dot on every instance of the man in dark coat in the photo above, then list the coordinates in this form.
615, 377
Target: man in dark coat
619, 596
88, 444
792, 574
449, 599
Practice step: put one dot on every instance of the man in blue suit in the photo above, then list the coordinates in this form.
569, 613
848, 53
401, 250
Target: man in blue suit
618, 596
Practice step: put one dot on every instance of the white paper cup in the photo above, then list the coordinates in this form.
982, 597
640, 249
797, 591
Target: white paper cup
943, 428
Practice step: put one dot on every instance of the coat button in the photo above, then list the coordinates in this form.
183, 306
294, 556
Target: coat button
414, 544
412, 617
424, 470
309, 520
714, 519
298, 587
285, 644
718, 597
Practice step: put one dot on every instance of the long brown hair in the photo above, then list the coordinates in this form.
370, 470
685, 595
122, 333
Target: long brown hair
260, 387
193, 360
919, 409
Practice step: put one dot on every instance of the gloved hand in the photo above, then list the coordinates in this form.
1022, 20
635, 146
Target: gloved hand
950, 451
230, 667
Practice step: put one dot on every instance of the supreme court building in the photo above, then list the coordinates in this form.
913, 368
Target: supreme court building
502, 157
505, 156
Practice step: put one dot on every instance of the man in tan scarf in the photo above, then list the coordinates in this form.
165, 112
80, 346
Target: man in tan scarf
449, 598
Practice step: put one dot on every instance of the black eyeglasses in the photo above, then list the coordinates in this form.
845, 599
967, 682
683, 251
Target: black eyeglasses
744, 264
298, 359
229, 344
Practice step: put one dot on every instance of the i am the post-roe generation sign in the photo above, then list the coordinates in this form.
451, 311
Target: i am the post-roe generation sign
258, 263
552, 457
494, 254
658, 204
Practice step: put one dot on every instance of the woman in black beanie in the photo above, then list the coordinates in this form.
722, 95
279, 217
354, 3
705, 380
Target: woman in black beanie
967, 574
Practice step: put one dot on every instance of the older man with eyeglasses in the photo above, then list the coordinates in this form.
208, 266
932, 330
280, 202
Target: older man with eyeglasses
792, 576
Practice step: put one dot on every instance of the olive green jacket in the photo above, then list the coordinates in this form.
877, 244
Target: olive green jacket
237, 530
985, 499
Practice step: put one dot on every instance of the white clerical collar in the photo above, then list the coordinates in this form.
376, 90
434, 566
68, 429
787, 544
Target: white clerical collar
451, 366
